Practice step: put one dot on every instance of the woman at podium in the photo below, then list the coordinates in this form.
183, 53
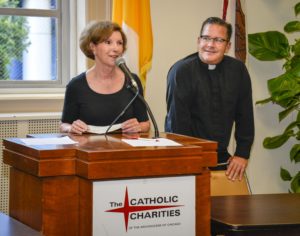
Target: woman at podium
101, 96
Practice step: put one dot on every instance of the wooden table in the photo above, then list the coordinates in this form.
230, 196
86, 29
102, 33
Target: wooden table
261, 214
12, 227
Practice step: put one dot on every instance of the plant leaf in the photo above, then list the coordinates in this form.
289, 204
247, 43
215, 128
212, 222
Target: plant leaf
292, 26
285, 89
296, 49
297, 8
295, 153
264, 101
268, 46
298, 136
295, 70
291, 126
295, 184
285, 175
295, 61
277, 141
286, 112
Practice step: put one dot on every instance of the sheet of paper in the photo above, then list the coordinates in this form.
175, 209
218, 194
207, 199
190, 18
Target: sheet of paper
102, 129
47, 141
150, 142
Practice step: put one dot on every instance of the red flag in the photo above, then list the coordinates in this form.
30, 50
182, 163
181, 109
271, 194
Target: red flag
233, 13
240, 32
225, 6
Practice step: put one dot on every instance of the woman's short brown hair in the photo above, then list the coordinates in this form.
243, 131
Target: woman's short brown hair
97, 32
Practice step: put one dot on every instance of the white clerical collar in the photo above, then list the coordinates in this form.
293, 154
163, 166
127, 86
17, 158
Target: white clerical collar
211, 67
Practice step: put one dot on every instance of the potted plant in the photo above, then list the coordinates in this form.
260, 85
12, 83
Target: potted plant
284, 89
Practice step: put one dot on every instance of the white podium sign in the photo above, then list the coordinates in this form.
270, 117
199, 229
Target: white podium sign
148, 207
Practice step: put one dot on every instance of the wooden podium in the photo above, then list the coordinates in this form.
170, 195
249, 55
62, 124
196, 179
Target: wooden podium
51, 185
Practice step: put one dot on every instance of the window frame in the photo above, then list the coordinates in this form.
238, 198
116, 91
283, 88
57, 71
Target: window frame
62, 14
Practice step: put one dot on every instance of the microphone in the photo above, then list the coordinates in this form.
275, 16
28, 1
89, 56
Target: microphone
120, 62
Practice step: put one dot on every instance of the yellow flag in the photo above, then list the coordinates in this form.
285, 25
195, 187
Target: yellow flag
135, 18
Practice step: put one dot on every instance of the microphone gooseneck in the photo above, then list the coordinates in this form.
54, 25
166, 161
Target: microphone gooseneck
122, 112
156, 132
134, 88
120, 62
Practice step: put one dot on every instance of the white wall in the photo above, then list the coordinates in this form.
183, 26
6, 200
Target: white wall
176, 25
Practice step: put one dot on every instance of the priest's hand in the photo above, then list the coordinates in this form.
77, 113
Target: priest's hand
236, 168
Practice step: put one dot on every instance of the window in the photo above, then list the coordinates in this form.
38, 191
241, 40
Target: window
34, 43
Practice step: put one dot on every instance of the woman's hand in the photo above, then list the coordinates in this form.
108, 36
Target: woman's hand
131, 126
77, 127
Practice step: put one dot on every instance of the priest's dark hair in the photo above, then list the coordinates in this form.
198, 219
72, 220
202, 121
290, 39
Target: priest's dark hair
218, 21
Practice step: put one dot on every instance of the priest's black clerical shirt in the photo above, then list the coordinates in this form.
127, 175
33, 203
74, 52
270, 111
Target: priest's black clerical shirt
206, 101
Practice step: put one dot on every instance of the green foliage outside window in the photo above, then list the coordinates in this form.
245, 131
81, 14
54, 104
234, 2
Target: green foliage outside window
13, 38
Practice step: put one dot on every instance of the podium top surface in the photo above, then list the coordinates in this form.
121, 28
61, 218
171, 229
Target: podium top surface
96, 151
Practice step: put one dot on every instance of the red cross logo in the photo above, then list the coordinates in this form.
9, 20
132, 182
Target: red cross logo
127, 209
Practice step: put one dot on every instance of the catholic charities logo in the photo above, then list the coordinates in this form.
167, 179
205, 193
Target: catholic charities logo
146, 208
